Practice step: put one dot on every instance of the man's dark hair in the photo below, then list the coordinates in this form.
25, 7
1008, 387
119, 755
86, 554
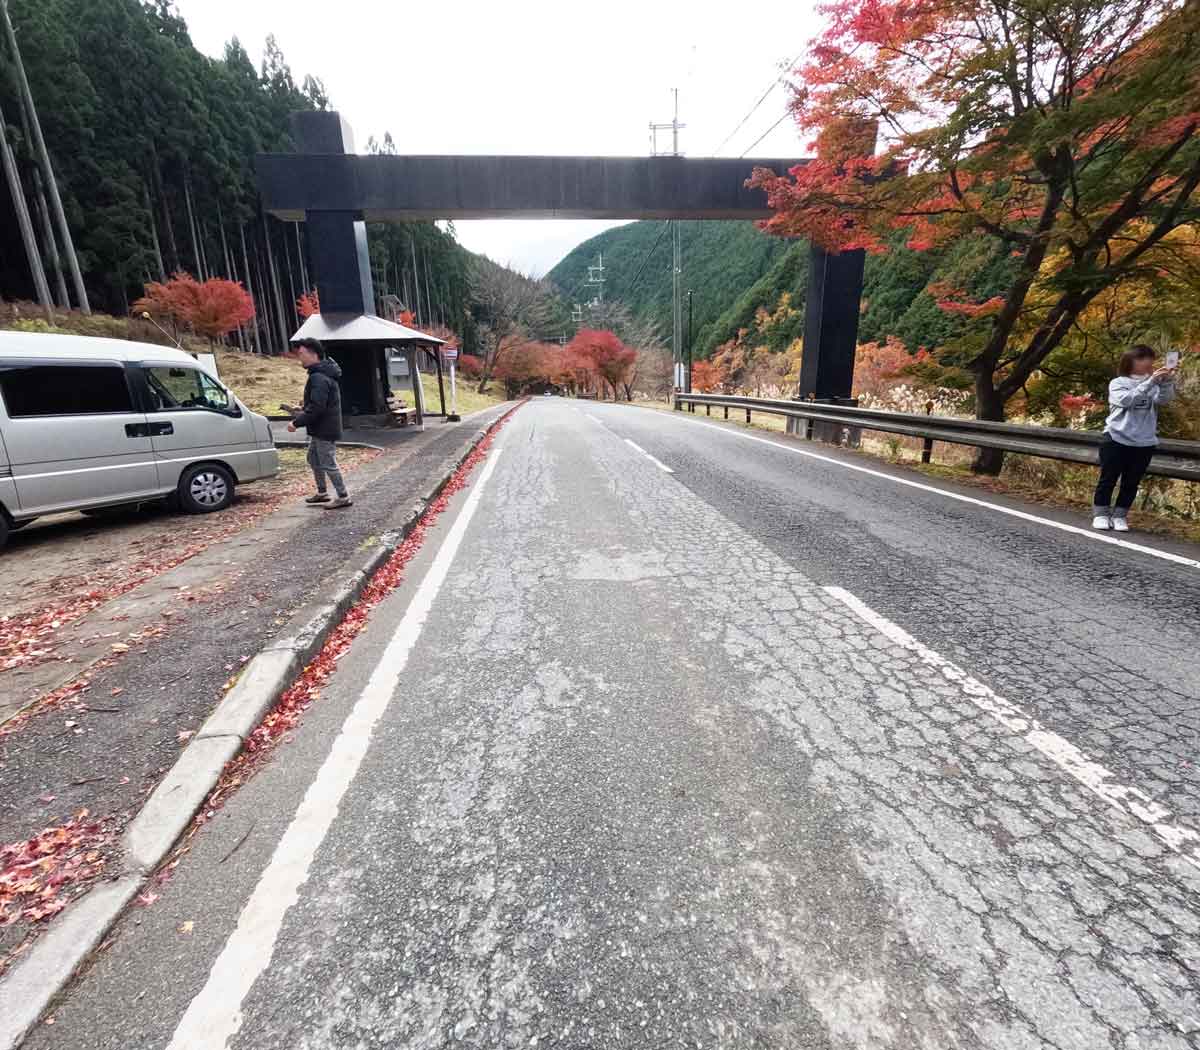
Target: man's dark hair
1133, 354
313, 346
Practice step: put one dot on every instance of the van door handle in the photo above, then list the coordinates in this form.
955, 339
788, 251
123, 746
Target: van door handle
159, 429
137, 430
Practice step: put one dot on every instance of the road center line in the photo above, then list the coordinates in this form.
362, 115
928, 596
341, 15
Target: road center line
215, 1015
1061, 752
1099, 537
657, 462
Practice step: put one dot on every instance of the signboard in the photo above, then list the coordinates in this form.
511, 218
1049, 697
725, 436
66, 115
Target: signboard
208, 362
449, 353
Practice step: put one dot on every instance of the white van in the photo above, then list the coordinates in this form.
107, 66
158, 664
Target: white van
88, 424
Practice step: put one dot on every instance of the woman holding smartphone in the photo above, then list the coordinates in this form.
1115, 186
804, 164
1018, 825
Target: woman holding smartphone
1130, 432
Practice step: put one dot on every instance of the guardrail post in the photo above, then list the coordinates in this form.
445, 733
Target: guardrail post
809, 426
726, 411
678, 405
747, 415
692, 407
708, 410
927, 445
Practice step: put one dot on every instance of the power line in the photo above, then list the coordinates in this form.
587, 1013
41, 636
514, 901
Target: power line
754, 109
786, 114
646, 259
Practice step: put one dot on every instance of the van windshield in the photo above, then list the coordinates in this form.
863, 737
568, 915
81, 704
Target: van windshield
172, 387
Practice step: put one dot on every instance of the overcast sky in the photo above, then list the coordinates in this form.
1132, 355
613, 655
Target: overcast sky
527, 76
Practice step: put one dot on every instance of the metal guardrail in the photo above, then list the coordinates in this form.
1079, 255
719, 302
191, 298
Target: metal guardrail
1173, 459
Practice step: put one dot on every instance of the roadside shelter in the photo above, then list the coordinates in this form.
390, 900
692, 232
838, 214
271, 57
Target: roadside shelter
360, 344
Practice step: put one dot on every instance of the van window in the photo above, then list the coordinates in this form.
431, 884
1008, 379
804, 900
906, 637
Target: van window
64, 390
172, 387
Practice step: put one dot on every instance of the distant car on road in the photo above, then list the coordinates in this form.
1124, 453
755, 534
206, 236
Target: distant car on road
91, 424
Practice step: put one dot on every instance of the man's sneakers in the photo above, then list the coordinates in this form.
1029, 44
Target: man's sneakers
337, 504
1102, 522
1120, 525
317, 498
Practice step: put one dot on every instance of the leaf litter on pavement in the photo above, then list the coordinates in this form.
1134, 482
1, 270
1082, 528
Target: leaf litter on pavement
41, 875
30, 637
306, 689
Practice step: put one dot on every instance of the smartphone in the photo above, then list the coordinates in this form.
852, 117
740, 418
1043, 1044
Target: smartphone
1173, 359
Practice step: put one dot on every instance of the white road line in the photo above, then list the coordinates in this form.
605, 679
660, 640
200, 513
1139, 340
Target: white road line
594, 419
657, 462
215, 1015
1100, 537
1062, 753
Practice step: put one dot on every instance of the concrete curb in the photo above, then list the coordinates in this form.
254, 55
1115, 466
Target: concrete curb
302, 443
36, 981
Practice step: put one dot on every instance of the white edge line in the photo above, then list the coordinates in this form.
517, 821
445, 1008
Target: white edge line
657, 462
1099, 537
214, 1016
1060, 751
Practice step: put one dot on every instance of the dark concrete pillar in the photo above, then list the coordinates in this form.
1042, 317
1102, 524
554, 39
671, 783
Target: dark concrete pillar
835, 283
338, 256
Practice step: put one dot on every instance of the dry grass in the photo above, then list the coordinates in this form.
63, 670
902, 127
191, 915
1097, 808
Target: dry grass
468, 399
263, 383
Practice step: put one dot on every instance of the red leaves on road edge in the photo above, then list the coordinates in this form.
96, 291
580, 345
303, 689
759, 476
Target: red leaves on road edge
287, 712
37, 874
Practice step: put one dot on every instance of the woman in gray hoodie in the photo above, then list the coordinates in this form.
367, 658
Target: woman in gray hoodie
1130, 434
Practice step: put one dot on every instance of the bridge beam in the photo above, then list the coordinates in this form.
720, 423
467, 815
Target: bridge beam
337, 192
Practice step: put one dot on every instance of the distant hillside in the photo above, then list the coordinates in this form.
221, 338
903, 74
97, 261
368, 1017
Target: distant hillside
721, 260
734, 269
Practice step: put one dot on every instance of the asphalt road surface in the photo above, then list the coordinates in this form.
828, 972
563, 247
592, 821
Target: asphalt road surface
685, 737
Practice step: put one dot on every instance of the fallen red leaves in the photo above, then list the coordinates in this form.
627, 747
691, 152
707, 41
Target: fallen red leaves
27, 639
38, 875
287, 712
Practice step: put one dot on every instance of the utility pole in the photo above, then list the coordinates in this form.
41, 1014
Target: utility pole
43, 156
688, 377
674, 127
677, 305
676, 249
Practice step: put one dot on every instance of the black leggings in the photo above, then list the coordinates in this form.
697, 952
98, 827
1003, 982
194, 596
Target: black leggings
1127, 462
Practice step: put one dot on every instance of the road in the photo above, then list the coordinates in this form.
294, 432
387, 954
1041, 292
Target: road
683, 737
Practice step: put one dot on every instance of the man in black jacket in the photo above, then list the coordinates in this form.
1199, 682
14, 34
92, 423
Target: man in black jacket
321, 416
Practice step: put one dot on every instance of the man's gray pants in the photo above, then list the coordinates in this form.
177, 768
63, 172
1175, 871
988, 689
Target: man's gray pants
322, 457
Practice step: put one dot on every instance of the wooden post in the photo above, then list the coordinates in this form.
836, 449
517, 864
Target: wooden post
414, 370
927, 447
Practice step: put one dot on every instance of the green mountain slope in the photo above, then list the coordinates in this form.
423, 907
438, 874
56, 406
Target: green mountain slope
734, 270
721, 260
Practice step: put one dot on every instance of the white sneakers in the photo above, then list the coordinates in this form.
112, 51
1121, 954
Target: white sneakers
1102, 521
1120, 525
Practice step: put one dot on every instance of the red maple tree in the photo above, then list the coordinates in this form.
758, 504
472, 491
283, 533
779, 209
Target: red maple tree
1065, 131
211, 308
599, 355
308, 304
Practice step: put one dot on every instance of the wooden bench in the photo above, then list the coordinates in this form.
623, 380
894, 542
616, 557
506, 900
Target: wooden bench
402, 415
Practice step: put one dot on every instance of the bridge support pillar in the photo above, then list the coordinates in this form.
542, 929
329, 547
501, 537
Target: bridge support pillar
835, 283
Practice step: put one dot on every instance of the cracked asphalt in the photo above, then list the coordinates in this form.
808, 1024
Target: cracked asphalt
644, 781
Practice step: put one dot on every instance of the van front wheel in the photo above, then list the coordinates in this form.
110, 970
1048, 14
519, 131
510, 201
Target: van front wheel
205, 487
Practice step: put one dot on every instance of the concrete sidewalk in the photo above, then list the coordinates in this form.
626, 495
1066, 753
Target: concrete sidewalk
106, 750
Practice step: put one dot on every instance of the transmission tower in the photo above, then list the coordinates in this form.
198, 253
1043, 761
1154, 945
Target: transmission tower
595, 278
